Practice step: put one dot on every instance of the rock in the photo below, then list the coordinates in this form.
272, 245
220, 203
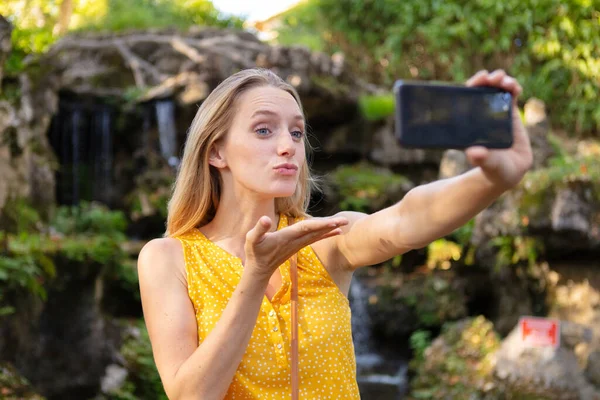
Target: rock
26, 160
541, 371
64, 344
564, 218
572, 211
387, 151
454, 163
592, 371
13, 386
538, 127
188, 65
458, 364
578, 306
113, 379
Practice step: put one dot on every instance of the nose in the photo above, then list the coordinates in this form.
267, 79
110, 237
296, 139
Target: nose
286, 146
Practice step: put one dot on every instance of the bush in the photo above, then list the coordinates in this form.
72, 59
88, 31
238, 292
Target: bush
363, 187
458, 365
88, 234
143, 381
35, 27
547, 44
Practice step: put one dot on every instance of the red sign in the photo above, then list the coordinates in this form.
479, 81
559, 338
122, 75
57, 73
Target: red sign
540, 332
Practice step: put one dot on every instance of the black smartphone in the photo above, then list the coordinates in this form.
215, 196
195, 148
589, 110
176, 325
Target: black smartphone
446, 116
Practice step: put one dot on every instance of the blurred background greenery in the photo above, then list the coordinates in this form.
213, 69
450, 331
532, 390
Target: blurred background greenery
551, 46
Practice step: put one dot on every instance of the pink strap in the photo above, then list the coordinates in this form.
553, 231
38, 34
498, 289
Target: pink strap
294, 344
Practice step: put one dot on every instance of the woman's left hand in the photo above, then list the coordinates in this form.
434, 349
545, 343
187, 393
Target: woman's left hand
504, 167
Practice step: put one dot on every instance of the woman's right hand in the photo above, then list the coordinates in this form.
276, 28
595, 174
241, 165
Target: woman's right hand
266, 251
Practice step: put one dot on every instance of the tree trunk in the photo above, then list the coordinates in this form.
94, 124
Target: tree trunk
64, 17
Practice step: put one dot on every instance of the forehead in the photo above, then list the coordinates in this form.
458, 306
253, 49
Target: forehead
267, 98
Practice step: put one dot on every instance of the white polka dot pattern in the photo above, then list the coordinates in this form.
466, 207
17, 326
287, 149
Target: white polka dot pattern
327, 364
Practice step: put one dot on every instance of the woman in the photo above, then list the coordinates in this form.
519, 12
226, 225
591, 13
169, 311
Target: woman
215, 292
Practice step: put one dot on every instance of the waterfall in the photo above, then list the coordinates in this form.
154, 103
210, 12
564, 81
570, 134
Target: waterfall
76, 155
82, 138
103, 155
167, 132
379, 376
361, 326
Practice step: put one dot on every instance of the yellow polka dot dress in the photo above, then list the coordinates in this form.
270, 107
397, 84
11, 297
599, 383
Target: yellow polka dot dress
327, 366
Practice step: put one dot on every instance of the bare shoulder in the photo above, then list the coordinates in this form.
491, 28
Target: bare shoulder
162, 258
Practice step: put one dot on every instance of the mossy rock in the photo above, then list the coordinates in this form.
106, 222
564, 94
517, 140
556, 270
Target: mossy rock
367, 188
458, 364
13, 386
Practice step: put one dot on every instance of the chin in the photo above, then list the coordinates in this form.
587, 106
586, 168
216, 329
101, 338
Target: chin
285, 190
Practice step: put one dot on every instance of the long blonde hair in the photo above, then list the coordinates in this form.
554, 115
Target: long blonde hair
197, 189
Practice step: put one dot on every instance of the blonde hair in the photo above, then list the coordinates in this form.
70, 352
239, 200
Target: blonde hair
197, 189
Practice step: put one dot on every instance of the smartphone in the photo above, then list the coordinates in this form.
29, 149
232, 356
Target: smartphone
446, 116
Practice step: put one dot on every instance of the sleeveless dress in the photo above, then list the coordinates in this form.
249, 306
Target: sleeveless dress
327, 365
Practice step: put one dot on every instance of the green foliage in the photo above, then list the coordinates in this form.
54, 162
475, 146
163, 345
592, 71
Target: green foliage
562, 171
549, 45
433, 299
18, 216
36, 22
464, 233
89, 219
420, 340
143, 381
512, 251
459, 364
26, 271
375, 108
13, 386
143, 14
89, 234
366, 188
441, 253
297, 27
152, 191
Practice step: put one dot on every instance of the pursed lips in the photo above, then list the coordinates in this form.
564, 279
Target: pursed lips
286, 169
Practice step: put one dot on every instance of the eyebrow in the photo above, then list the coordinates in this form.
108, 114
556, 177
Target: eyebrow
272, 113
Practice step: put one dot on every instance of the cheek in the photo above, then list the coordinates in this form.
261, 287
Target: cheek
245, 157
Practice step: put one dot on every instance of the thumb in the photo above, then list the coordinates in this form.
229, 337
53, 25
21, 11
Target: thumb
477, 155
256, 234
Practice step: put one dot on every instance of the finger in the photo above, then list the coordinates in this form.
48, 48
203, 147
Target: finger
510, 84
480, 78
308, 240
257, 234
477, 155
310, 230
315, 224
335, 232
496, 77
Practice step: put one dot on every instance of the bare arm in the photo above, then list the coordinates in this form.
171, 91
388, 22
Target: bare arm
434, 210
188, 371
426, 213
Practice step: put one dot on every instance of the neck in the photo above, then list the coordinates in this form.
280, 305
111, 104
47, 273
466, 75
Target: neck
236, 215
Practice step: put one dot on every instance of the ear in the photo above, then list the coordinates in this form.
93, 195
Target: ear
216, 157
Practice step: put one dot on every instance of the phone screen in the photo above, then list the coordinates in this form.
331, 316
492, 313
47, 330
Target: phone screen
442, 116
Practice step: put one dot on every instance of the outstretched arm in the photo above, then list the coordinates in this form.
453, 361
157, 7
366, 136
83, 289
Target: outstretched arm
434, 210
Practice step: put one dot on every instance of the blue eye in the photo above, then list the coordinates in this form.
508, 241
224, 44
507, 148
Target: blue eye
298, 134
262, 131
